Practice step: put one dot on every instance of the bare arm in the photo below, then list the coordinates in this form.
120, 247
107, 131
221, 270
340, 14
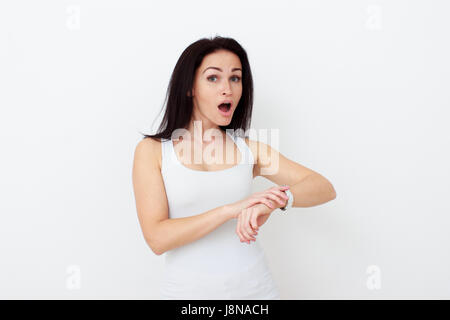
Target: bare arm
174, 233
161, 233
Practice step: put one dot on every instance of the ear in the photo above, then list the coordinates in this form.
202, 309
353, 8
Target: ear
189, 93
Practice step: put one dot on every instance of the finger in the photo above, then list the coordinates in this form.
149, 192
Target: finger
260, 199
271, 204
254, 223
277, 198
267, 202
245, 236
280, 194
248, 225
244, 227
238, 227
241, 231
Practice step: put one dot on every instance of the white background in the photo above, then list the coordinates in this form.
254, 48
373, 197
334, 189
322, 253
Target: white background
359, 91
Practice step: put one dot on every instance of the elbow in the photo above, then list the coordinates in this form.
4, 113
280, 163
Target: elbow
333, 192
155, 246
155, 249
327, 189
154, 238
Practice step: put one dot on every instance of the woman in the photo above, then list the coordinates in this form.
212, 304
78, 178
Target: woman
195, 210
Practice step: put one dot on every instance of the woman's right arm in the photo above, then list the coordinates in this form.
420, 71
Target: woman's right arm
161, 233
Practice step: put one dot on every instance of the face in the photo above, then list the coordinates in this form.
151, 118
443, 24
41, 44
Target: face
213, 86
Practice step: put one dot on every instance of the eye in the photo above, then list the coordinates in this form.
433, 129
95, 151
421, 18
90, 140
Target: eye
236, 77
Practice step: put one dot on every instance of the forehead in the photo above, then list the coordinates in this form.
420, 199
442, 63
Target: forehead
222, 59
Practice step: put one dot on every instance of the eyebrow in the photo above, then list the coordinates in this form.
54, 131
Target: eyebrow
234, 69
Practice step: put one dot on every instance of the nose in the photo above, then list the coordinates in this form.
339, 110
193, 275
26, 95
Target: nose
226, 89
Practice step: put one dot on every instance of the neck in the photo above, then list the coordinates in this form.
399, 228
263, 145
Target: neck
197, 130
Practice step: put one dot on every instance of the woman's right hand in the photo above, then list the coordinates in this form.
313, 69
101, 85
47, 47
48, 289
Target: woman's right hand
275, 193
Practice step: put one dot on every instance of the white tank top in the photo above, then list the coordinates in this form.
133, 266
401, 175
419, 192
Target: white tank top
218, 265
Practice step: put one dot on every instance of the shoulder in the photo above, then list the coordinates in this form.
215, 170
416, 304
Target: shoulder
149, 151
263, 154
253, 145
256, 147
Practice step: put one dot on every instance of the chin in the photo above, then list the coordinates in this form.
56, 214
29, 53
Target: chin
224, 122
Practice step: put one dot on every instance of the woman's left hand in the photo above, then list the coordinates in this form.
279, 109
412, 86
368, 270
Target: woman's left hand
250, 219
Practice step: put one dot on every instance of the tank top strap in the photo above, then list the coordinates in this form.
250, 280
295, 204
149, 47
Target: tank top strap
245, 150
167, 154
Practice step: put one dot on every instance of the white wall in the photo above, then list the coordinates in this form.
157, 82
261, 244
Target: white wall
358, 89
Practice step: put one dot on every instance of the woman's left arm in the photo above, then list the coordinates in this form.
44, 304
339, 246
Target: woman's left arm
308, 187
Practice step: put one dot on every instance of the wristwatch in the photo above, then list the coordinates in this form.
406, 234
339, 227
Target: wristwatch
289, 201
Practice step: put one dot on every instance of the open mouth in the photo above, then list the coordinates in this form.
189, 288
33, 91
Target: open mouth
225, 107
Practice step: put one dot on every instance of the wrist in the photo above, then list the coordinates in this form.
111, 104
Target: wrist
229, 211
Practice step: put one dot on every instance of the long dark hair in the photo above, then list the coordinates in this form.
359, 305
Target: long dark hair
179, 104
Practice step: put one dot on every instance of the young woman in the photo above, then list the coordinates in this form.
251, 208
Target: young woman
201, 213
